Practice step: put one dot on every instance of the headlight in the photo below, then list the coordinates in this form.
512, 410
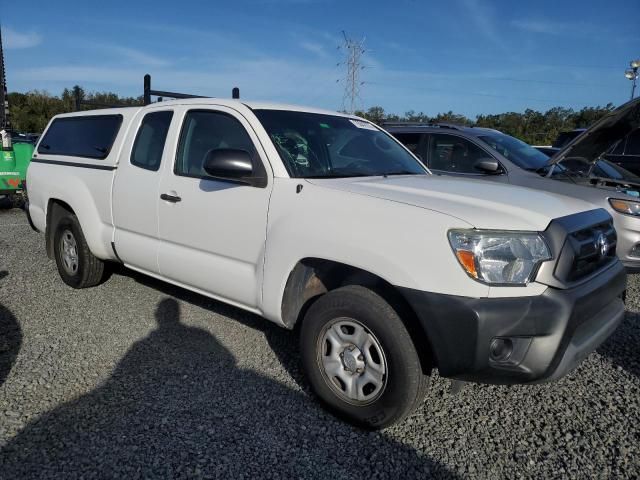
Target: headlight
496, 257
628, 207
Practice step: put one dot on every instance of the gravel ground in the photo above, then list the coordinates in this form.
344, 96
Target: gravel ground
138, 379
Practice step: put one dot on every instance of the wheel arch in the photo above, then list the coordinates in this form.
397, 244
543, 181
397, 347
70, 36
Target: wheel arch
56, 209
313, 277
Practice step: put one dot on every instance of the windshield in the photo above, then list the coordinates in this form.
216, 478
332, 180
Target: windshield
606, 169
520, 153
314, 145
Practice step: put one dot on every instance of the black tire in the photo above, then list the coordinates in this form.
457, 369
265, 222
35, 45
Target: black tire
17, 200
89, 270
405, 382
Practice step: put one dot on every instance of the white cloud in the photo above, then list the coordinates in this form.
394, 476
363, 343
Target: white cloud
539, 26
551, 27
314, 48
268, 78
77, 75
484, 19
13, 40
137, 56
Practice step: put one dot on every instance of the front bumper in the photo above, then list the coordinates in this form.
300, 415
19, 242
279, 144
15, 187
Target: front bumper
550, 334
628, 230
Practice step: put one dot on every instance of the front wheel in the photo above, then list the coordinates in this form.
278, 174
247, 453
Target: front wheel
360, 359
77, 266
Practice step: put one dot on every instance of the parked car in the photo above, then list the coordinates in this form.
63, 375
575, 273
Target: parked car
323, 220
564, 138
601, 168
547, 150
486, 154
626, 152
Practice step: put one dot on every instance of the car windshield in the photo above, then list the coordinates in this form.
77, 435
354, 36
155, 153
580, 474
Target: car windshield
315, 145
606, 169
517, 151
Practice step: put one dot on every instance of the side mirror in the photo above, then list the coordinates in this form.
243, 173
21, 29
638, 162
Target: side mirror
230, 164
487, 165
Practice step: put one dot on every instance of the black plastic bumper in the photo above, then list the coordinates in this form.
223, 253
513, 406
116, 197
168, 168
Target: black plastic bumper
549, 334
632, 267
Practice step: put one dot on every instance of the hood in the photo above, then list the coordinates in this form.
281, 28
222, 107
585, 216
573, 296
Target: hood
597, 139
483, 204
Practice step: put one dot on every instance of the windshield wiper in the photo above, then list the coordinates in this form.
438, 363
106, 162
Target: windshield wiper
339, 175
400, 172
567, 174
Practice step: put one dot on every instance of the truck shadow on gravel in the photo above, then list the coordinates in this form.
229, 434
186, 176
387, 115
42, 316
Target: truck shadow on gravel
622, 347
283, 342
177, 405
10, 338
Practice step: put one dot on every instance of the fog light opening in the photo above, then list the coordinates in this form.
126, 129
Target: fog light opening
500, 349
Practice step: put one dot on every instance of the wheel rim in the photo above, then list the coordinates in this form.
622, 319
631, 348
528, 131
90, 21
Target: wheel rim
69, 252
352, 361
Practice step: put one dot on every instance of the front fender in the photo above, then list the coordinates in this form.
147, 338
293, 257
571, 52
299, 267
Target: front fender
404, 245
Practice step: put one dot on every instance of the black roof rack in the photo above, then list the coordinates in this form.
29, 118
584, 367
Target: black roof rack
148, 92
423, 124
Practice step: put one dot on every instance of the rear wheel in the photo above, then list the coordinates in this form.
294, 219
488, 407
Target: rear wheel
360, 358
77, 266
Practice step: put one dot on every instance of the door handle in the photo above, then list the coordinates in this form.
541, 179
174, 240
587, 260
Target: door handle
170, 198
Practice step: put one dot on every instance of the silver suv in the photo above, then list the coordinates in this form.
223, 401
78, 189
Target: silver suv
487, 154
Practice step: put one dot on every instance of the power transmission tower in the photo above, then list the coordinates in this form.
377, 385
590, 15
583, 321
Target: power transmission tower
4, 96
353, 51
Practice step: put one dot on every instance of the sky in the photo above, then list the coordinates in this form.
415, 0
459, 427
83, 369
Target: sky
469, 56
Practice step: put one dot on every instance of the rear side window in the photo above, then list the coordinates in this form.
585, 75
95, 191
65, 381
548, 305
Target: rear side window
90, 136
150, 139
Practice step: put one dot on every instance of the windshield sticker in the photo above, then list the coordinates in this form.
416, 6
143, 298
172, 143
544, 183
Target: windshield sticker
362, 124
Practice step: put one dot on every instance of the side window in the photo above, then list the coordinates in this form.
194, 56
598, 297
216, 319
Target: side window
633, 143
411, 141
89, 136
454, 154
150, 139
205, 130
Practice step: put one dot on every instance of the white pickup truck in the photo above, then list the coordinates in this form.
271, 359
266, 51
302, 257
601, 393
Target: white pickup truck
322, 220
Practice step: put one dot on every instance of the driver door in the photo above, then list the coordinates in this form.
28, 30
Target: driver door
212, 232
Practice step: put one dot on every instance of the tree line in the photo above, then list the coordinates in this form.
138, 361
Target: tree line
31, 111
531, 126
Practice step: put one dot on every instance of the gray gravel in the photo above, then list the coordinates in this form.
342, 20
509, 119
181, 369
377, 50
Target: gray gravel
138, 379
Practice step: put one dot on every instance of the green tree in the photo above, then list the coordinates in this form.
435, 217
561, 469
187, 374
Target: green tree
31, 111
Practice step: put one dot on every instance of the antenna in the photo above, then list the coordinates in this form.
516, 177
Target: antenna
353, 51
5, 122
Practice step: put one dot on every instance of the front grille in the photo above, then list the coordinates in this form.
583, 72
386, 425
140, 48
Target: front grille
589, 249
